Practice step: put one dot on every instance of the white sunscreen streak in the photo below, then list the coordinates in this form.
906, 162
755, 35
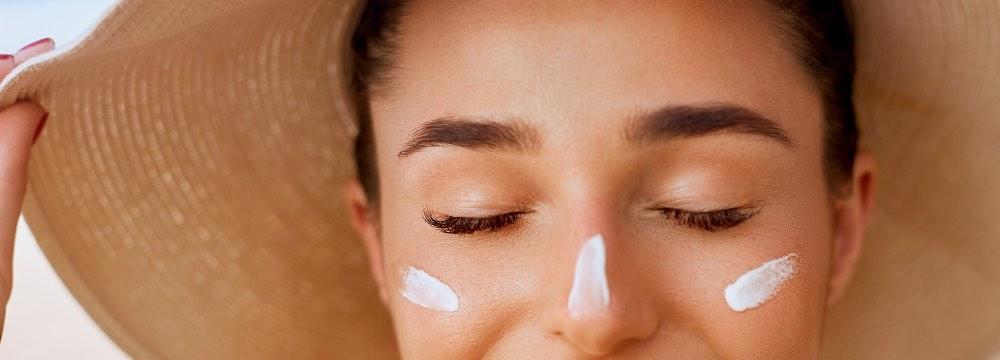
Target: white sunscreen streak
590, 283
427, 291
759, 285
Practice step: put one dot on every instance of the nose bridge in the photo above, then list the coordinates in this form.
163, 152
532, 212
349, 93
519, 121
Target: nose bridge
596, 308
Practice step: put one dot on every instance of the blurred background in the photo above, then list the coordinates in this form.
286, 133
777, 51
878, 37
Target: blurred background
43, 319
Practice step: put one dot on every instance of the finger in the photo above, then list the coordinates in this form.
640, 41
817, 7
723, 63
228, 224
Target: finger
6, 65
34, 49
17, 130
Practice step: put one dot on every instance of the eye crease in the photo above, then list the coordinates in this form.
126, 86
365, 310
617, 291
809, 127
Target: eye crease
710, 221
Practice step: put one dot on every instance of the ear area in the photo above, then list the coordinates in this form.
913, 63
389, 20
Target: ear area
365, 224
852, 215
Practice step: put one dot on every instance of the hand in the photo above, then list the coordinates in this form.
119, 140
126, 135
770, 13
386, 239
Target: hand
20, 125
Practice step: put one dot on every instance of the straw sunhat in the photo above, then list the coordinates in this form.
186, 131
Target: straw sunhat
186, 188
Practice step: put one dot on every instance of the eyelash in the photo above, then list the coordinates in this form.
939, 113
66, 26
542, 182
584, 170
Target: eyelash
469, 225
710, 221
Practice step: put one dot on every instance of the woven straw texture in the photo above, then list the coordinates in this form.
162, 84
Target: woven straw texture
174, 118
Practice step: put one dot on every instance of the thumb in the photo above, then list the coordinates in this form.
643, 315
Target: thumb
18, 125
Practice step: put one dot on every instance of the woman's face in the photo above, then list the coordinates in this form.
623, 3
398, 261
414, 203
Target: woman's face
638, 121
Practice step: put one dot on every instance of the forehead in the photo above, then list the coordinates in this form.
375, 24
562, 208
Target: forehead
592, 61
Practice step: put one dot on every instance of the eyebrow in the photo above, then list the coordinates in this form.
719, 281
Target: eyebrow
663, 124
473, 133
685, 121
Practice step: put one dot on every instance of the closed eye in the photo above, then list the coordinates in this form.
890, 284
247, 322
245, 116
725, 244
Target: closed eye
716, 220
470, 225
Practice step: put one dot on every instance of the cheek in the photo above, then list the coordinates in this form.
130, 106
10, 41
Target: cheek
786, 325
500, 281
492, 280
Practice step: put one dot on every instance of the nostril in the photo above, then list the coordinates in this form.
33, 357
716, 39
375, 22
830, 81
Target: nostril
597, 336
589, 322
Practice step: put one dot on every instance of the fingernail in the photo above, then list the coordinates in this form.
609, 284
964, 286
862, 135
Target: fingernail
41, 125
38, 42
7, 62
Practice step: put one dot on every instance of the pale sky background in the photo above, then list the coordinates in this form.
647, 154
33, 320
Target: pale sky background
43, 320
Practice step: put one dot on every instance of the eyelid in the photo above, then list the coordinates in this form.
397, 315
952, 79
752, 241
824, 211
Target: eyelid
709, 220
745, 208
442, 217
700, 202
479, 211
470, 225
706, 220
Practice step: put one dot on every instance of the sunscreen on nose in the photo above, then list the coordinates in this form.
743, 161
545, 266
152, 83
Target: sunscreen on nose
590, 282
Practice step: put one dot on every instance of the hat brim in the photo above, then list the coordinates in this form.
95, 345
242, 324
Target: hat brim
187, 188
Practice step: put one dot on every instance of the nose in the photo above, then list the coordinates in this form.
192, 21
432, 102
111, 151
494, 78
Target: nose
600, 314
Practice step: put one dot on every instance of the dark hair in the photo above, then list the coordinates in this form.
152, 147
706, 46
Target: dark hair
822, 35
818, 31
373, 50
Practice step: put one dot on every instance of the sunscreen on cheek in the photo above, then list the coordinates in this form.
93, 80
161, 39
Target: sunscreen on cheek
427, 291
760, 284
